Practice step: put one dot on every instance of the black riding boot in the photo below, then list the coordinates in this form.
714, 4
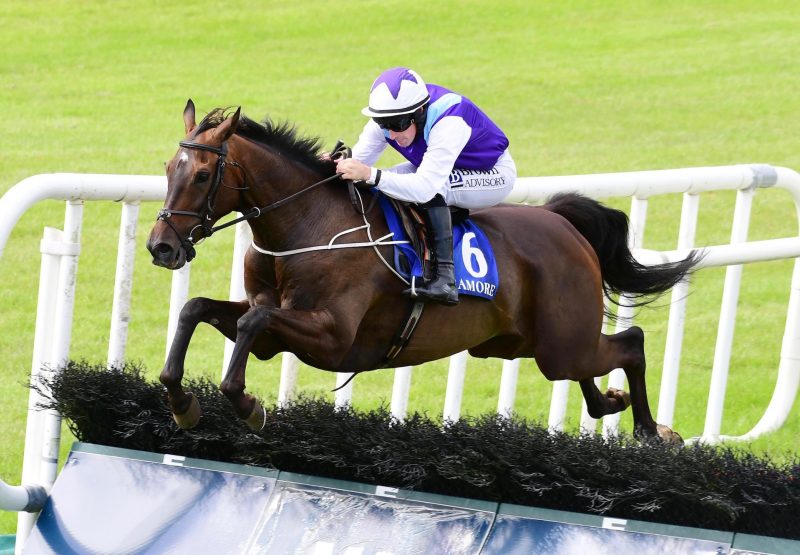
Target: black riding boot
442, 287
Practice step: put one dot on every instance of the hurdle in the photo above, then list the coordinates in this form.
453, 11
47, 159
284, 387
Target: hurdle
112, 500
61, 248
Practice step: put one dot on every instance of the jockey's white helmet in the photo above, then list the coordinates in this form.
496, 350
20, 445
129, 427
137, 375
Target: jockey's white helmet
395, 92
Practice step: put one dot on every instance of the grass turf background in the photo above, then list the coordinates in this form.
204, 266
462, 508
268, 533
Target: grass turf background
578, 87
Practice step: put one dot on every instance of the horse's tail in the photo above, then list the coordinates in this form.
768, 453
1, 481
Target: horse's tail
606, 229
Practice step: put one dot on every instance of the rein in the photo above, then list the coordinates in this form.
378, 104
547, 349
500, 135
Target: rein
332, 245
256, 212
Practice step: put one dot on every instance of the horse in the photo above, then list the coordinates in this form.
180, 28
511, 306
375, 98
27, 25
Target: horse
338, 309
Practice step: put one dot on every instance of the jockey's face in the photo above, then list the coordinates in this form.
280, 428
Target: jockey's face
401, 129
404, 138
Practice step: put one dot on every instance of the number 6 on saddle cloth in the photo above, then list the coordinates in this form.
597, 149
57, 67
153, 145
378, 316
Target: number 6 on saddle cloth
473, 257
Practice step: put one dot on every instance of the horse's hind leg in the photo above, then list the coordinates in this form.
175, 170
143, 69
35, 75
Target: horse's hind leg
626, 350
220, 314
577, 357
600, 404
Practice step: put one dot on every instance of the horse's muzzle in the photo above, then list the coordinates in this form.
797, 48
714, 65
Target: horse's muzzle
167, 256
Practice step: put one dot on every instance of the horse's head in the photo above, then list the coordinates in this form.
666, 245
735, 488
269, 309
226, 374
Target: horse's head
195, 196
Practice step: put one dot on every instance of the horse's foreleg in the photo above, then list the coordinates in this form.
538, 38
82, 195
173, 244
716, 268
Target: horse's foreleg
313, 333
248, 327
220, 314
316, 333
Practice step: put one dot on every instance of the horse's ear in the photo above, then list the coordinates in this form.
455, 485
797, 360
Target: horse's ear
228, 127
188, 116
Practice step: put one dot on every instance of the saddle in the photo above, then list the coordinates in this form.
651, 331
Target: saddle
414, 226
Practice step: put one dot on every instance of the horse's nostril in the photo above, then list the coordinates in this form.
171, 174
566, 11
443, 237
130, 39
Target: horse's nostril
162, 248
162, 251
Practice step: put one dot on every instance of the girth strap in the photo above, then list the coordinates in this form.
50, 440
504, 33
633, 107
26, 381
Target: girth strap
404, 335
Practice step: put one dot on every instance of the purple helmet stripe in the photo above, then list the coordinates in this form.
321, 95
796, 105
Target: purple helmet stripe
393, 78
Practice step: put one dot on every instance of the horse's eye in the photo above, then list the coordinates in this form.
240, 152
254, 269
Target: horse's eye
201, 177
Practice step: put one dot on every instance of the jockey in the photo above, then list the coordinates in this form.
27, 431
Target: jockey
456, 156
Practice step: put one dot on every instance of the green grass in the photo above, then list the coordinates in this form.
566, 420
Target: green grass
580, 87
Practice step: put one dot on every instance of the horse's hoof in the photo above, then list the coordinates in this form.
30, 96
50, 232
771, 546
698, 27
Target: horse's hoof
191, 417
258, 417
669, 436
620, 395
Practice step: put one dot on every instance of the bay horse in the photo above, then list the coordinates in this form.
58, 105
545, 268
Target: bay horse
338, 310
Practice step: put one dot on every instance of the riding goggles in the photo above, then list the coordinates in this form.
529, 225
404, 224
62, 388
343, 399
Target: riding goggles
398, 124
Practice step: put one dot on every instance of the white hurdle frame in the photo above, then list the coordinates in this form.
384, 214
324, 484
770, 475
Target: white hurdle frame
60, 250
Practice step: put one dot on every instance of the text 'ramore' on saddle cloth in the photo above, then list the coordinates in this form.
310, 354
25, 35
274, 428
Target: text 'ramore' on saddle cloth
475, 265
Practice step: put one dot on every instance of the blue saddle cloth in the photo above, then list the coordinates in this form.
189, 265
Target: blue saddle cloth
475, 265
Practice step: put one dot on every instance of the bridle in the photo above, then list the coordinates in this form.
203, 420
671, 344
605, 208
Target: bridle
205, 216
205, 227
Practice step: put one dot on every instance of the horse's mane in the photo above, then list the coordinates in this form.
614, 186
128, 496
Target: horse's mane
282, 137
